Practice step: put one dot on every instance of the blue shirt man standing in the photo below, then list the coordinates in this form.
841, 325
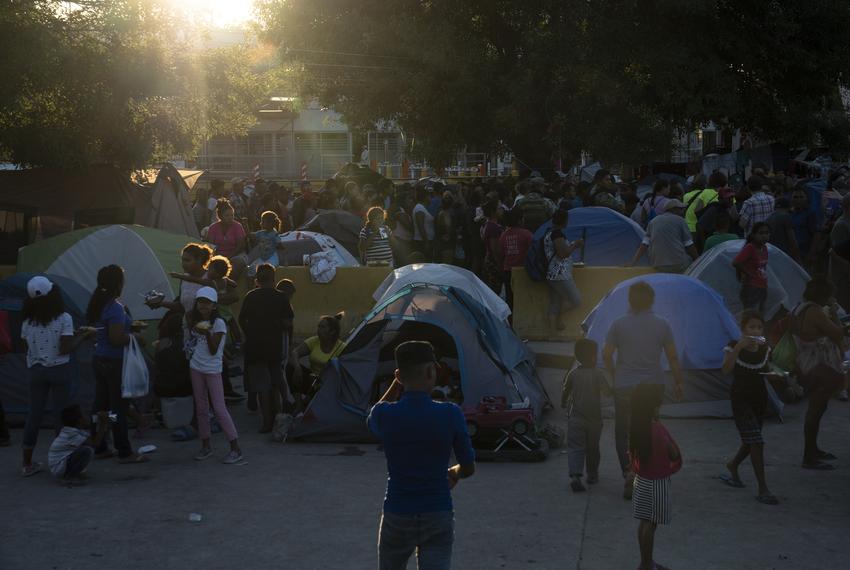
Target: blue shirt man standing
419, 436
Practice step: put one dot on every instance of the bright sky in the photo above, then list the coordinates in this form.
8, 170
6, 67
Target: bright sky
218, 13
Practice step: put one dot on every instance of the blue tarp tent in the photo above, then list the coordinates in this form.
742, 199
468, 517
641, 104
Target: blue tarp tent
702, 327
14, 376
483, 352
611, 238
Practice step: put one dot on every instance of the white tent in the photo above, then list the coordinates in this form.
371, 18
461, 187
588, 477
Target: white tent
786, 280
299, 243
441, 274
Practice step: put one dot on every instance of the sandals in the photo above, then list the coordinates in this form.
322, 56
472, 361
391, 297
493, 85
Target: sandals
732, 482
767, 499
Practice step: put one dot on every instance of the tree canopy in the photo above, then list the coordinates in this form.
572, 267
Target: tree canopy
116, 81
544, 78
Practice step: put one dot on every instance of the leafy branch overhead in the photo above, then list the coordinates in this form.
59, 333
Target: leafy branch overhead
118, 82
615, 77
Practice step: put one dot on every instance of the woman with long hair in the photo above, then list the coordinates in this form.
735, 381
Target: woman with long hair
114, 327
820, 339
48, 335
655, 457
320, 349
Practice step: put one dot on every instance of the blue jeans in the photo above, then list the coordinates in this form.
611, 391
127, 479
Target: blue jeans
431, 535
46, 381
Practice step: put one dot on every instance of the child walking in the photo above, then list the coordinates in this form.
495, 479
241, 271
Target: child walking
207, 347
751, 267
748, 361
655, 457
582, 394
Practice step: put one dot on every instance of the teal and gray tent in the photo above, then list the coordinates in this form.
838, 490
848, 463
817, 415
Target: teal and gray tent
14, 376
490, 360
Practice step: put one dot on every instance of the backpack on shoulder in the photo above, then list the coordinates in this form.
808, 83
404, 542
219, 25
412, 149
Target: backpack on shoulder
536, 261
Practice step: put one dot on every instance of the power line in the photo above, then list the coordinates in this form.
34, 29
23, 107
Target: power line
288, 49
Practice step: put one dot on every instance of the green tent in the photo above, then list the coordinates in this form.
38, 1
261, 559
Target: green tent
146, 254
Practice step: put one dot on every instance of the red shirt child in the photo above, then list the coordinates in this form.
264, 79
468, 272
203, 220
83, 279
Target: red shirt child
752, 262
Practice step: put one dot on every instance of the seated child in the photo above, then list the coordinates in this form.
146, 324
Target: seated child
73, 449
582, 394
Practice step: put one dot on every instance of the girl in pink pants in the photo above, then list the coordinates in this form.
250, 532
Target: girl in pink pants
207, 340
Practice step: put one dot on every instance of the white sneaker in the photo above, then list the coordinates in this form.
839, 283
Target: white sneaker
233, 458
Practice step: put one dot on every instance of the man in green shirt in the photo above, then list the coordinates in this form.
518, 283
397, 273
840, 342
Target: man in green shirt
721, 232
699, 198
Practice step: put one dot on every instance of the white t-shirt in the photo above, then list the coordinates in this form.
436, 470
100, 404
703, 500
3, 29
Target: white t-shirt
69, 440
429, 223
202, 360
43, 341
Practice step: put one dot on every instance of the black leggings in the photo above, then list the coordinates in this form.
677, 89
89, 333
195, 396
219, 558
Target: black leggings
107, 373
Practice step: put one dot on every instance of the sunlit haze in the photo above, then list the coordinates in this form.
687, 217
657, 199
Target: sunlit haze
217, 13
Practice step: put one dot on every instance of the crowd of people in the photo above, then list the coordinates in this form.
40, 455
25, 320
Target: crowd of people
486, 226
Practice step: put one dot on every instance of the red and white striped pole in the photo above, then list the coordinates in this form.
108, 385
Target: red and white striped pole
255, 172
304, 170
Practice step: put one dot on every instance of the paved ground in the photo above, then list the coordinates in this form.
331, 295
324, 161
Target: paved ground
317, 506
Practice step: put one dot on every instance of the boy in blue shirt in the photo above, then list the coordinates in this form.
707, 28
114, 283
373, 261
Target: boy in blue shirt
419, 436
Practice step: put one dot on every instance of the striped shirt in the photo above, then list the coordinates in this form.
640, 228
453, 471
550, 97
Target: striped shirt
757, 209
379, 251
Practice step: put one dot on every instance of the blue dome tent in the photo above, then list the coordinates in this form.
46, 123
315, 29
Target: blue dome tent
610, 238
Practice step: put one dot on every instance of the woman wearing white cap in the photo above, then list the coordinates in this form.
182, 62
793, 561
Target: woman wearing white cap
48, 334
207, 347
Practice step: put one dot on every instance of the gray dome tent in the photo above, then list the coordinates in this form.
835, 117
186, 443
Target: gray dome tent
488, 357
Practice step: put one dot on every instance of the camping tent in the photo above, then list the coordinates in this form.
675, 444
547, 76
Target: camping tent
488, 357
610, 238
444, 275
147, 256
14, 377
300, 243
702, 327
170, 207
786, 280
343, 226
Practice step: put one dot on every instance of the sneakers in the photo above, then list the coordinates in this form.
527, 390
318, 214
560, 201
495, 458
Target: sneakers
592, 479
842, 395
30, 470
233, 458
282, 425
205, 453
576, 485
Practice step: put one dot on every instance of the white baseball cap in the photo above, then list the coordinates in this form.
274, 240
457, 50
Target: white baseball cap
207, 293
39, 286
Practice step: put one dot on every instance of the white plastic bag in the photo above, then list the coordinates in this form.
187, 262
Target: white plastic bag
134, 374
322, 267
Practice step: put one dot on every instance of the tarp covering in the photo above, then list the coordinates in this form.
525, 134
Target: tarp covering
147, 256
170, 204
343, 226
299, 243
701, 324
14, 376
445, 275
786, 280
490, 359
611, 238
66, 200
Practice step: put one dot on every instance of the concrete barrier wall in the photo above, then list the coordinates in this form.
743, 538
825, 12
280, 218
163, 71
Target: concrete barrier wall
531, 299
350, 291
